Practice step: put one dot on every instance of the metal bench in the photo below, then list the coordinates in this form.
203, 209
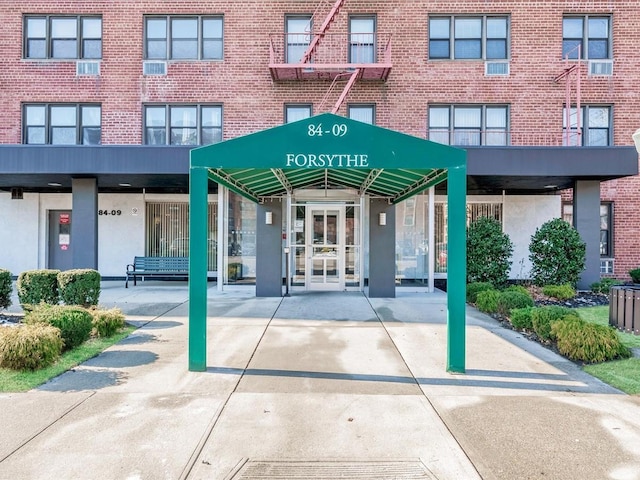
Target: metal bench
156, 267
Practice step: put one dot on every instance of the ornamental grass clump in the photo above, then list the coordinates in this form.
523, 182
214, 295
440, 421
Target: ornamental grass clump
587, 342
107, 322
542, 319
561, 292
29, 347
74, 322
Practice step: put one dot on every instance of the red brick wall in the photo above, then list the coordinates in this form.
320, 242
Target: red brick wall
242, 83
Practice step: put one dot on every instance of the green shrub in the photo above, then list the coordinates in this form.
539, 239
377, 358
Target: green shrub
635, 275
37, 286
508, 300
79, 287
74, 322
557, 254
474, 288
107, 322
588, 342
29, 347
520, 318
542, 319
518, 288
489, 252
604, 285
487, 301
5, 288
561, 292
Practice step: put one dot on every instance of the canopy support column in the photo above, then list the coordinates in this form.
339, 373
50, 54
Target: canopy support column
456, 268
198, 211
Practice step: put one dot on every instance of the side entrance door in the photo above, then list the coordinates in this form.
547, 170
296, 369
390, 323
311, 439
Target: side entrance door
60, 244
325, 247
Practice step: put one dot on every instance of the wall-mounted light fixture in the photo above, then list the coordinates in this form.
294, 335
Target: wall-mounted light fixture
382, 218
268, 218
636, 139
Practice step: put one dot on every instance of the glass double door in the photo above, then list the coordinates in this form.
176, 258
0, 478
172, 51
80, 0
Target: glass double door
325, 247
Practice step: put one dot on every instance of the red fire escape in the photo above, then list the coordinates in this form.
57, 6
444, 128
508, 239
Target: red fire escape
335, 57
571, 74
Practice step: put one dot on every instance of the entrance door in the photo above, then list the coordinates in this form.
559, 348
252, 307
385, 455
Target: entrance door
325, 247
60, 246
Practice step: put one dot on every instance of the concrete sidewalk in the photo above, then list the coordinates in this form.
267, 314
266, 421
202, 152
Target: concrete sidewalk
317, 386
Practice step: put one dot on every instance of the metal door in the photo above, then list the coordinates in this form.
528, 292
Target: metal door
60, 243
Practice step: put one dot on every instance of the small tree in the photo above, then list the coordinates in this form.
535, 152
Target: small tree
557, 254
488, 252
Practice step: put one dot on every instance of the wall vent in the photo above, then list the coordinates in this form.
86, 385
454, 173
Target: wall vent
496, 68
154, 68
85, 67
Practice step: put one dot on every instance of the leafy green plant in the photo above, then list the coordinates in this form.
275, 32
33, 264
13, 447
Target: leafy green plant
561, 292
79, 286
557, 254
29, 347
604, 285
487, 301
489, 252
635, 275
510, 299
106, 322
5, 288
520, 318
74, 322
587, 342
542, 319
474, 288
37, 286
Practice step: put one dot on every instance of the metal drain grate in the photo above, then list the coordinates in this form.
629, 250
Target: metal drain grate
331, 470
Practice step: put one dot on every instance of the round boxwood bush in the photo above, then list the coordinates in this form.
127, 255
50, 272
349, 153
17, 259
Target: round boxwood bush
508, 300
542, 318
80, 286
37, 286
487, 301
588, 342
474, 288
29, 347
5, 288
107, 322
489, 252
520, 318
75, 323
557, 254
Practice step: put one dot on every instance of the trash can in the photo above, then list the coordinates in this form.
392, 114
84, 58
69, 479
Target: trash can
624, 308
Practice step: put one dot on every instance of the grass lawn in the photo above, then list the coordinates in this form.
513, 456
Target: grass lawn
621, 374
21, 381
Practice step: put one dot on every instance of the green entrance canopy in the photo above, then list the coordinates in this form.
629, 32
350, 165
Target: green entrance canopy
328, 151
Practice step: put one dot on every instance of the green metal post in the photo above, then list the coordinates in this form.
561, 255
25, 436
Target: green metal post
456, 267
198, 189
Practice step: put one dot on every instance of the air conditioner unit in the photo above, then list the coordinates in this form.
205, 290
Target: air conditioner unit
154, 68
601, 67
492, 68
87, 67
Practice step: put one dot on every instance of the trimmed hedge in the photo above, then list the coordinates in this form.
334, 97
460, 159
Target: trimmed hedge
37, 286
29, 347
474, 288
5, 288
588, 342
487, 301
510, 299
74, 322
106, 322
520, 318
79, 286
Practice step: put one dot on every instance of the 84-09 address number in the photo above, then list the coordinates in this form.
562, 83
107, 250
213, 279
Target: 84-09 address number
109, 212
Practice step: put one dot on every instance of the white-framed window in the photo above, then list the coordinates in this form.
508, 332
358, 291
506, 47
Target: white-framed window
62, 37
362, 39
469, 124
595, 126
468, 37
61, 124
295, 112
592, 34
183, 37
182, 124
364, 113
298, 36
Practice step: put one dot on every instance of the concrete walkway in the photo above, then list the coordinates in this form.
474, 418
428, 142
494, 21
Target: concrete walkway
317, 386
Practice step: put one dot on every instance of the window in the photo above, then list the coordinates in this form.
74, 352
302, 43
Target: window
590, 36
595, 123
293, 113
183, 38
459, 38
362, 113
182, 124
298, 37
606, 226
63, 37
61, 124
362, 34
469, 124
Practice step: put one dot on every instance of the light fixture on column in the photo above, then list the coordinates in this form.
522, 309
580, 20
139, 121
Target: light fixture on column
382, 218
636, 139
268, 218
